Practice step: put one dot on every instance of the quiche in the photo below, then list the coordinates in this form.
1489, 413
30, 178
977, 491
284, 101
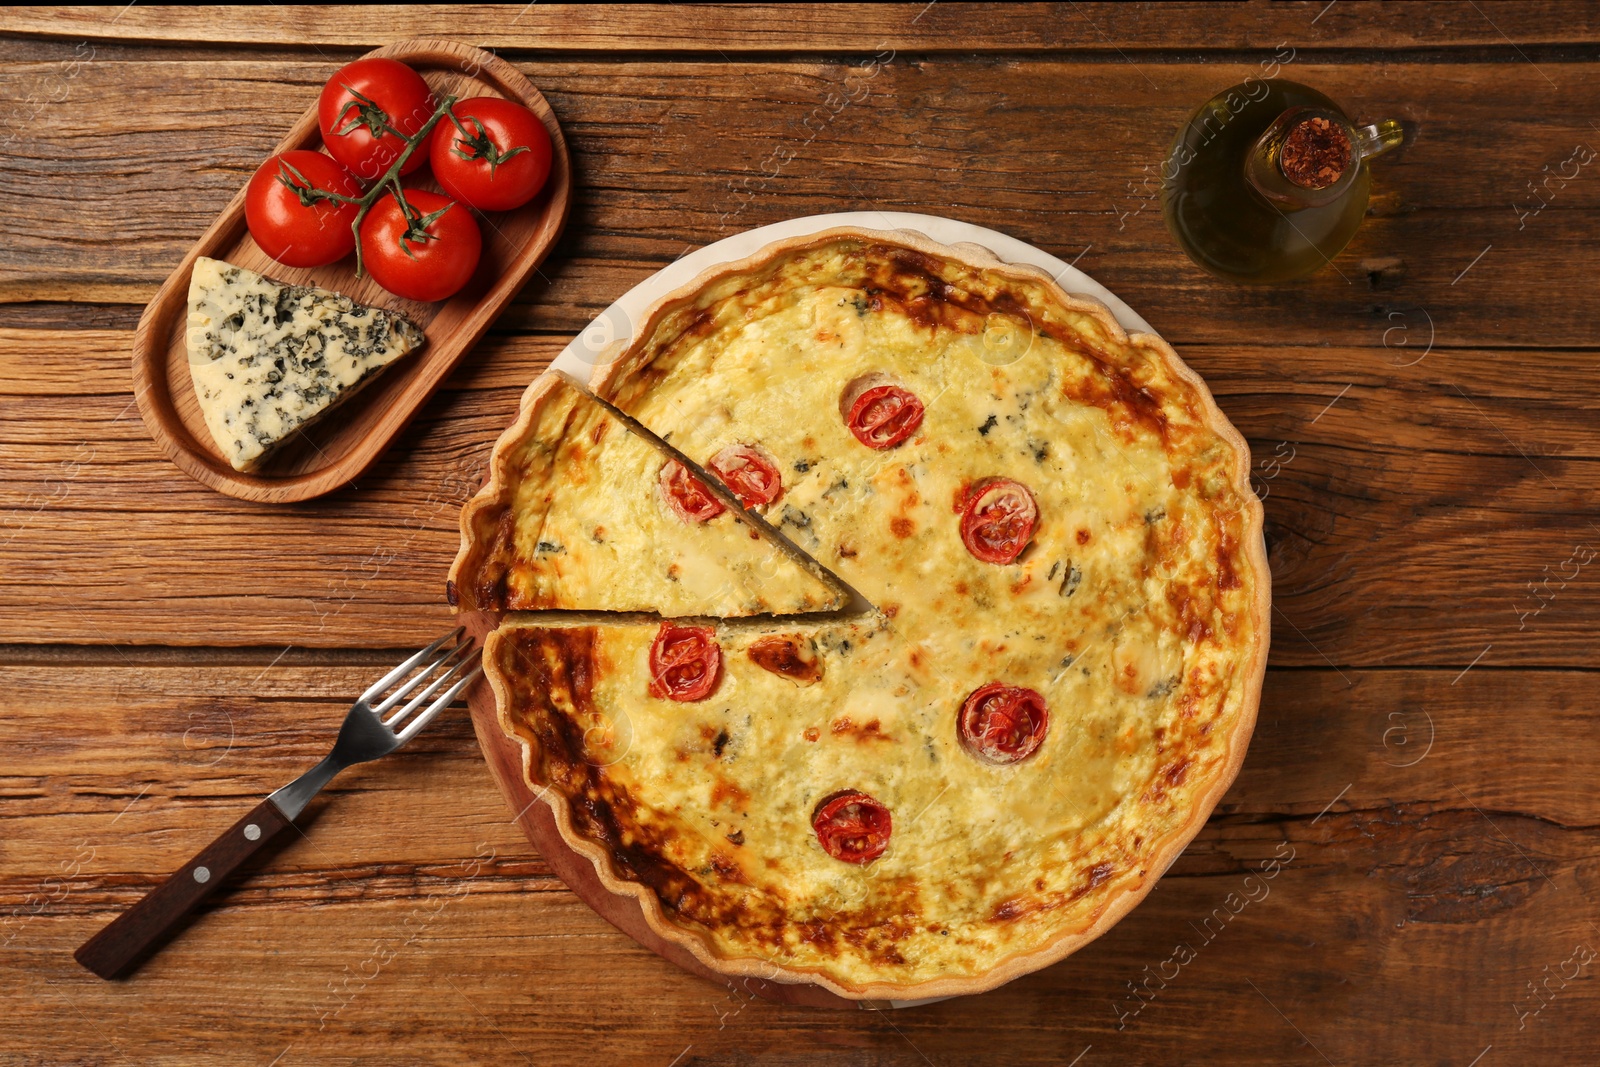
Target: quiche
582, 512
1051, 683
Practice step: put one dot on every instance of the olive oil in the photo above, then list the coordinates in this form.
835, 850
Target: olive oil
1234, 205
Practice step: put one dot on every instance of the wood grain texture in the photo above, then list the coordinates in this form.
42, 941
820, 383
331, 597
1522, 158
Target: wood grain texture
338, 449
419, 913
1414, 514
1422, 421
753, 29
1062, 154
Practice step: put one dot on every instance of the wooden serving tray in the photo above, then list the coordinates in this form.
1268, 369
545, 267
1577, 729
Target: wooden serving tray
339, 448
504, 756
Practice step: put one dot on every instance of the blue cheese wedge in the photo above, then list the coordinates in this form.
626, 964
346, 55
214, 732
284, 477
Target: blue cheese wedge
269, 359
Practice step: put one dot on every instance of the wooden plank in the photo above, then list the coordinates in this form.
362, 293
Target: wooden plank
1444, 245
538, 980
1415, 514
475, 976
171, 750
411, 916
185, 742
759, 29
59, 316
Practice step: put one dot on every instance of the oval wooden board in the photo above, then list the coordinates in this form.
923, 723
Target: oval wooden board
338, 449
504, 756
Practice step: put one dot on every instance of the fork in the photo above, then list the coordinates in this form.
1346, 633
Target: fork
132, 937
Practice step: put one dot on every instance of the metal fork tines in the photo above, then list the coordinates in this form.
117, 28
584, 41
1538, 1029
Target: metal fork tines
367, 735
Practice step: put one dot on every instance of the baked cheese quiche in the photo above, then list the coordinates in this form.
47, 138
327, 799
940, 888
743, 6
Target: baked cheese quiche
1051, 684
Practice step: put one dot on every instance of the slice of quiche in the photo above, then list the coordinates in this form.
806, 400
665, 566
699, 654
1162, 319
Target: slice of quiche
708, 748
269, 359
582, 513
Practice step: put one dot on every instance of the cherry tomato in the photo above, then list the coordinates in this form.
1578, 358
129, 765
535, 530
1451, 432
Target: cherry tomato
687, 495
998, 520
287, 223
852, 827
502, 159
685, 662
750, 472
368, 109
428, 256
881, 415
1003, 723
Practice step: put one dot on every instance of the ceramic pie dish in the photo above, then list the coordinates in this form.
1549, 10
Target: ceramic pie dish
1049, 677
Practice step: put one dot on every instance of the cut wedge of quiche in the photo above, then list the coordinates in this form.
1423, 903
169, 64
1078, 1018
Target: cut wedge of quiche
583, 513
270, 359
1057, 677
706, 746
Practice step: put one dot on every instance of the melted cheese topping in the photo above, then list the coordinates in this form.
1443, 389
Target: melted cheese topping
581, 523
1131, 613
714, 798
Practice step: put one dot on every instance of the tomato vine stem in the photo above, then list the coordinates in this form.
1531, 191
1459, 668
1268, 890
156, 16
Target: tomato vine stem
387, 184
482, 147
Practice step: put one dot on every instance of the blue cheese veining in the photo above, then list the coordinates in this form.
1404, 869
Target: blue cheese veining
269, 359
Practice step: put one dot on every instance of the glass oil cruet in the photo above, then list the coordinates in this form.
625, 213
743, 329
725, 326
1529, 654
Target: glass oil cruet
1267, 181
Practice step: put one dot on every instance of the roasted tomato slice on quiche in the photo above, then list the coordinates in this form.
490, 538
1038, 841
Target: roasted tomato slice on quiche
687, 495
1003, 723
750, 472
998, 520
684, 662
882, 415
852, 827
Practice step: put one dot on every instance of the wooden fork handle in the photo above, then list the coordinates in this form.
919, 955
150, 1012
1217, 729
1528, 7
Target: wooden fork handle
132, 937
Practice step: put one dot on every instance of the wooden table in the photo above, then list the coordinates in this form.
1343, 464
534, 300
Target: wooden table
1424, 416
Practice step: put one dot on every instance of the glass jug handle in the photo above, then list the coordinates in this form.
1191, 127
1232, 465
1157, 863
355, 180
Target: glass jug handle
1378, 138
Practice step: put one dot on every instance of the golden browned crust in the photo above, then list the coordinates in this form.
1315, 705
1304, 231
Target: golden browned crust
624, 874
477, 577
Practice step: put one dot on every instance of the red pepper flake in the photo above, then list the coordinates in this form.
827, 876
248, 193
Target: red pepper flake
1315, 153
